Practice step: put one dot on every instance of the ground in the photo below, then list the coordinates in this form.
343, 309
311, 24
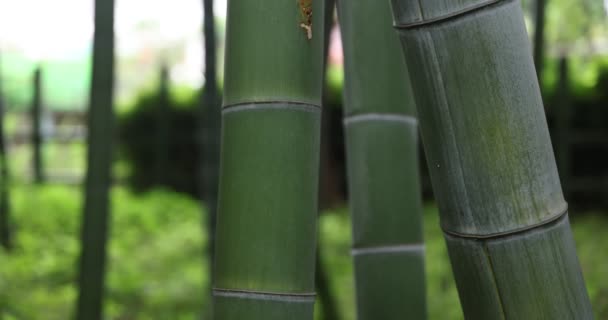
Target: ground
158, 269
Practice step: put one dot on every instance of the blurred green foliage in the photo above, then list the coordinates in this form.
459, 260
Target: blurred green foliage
156, 270
157, 264
139, 145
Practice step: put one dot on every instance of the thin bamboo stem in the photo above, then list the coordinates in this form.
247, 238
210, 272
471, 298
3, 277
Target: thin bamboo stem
5, 229
539, 38
96, 212
163, 131
36, 116
326, 299
210, 122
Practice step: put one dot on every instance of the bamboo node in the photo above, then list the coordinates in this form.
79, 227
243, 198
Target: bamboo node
550, 221
306, 297
446, 16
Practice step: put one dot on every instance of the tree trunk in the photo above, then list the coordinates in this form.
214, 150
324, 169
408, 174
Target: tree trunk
36, 116
210, 122
99, 159
563, 116
490, 158
329, 310
382, 155
5, 230
539, 39
163, 122
266, 231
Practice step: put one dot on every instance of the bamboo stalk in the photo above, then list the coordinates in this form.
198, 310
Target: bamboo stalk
96, 211
326, 299
163, 131
539, 38
36, 116
5, 229
382, 155
210, 122
563, 117
266, 230
490, 158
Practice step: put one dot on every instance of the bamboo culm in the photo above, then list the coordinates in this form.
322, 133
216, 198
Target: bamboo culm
209, 134
268, 191
36, 116
163, 131
490, 158
5, 228
381, 132
540, 9
96, 211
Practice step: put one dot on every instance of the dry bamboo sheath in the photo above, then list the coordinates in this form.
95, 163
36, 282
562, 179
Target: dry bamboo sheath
267, 206
382, 154
490, 157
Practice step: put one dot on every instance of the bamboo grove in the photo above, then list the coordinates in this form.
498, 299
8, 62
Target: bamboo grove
460, 74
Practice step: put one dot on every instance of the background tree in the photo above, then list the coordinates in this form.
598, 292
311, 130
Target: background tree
36, 116
563, 118
209, 128
266, 231
382, 156
163, 123
539, 38
99, 159
5, 230
326, 298
490, 159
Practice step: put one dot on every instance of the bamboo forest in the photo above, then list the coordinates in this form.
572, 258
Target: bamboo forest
303, 159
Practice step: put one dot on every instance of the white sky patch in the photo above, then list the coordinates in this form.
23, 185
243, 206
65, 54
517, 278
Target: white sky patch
46, 29
221, 6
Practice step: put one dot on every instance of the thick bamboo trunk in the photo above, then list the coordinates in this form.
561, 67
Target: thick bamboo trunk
36, 116
5, 230
266, 231
382, 154
490, 158
99, 158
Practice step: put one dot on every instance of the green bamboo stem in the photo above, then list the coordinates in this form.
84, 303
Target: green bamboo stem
563, 117
210, 122
96, 212
326, 299
539, 38
382, 155
5, 230
266, 230
36, 116
490, 159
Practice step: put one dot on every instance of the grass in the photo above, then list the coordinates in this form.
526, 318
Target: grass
158, 268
